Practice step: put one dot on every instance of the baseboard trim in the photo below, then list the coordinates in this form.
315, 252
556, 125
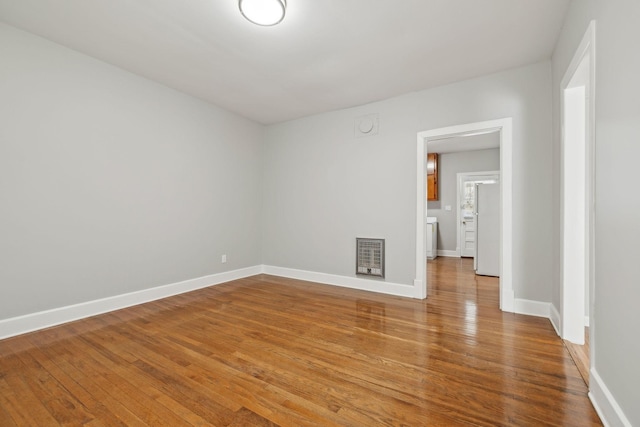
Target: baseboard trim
379, 286
532, 308
45, 319
507, 300
448, 253
605, 405
554, 317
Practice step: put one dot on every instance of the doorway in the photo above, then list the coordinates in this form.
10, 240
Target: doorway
504, 128
577, 193
466, 223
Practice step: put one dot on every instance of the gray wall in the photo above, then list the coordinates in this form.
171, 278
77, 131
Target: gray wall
615, 319
323, 187
449, 165
111, 183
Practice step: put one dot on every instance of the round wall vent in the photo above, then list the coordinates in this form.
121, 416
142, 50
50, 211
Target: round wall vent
366, 125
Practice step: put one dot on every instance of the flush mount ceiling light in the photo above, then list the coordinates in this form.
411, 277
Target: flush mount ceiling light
263, 12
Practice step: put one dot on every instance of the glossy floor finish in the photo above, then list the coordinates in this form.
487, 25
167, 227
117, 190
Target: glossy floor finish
580, 355
274, 351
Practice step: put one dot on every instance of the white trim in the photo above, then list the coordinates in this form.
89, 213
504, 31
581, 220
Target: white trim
448, 253
344, 281
556, 320
572, 265
577, 267
45, 319
532, 308
421, 232
505, 127
554, 317
587, 321
591, 190
508, 297
603, 401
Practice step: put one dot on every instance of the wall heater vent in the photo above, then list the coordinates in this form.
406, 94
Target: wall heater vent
370, 257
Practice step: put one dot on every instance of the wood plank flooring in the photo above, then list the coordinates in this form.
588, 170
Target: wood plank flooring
267, 351
580, 355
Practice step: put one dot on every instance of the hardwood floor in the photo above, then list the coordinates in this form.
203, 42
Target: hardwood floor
274, 351
580, 355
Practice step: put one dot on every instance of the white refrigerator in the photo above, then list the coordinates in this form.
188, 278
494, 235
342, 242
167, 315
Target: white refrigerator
487, 205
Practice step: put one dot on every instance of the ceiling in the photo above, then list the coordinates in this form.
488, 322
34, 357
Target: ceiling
325, 55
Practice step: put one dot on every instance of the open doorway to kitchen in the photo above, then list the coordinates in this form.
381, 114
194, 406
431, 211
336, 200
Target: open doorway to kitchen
503, 127
466, 208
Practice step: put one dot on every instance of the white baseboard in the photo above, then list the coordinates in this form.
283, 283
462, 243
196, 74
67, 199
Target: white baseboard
532, 308
606, 406
507, 300
45, 319
554, 317
345, 281
448, 253
556, 322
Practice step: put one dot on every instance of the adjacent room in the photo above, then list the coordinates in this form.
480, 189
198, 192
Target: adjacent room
459, 171
309, 213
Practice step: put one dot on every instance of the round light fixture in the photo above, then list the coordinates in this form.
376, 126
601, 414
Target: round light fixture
263, 12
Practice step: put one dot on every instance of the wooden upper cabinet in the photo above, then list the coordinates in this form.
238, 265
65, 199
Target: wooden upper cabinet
432, 176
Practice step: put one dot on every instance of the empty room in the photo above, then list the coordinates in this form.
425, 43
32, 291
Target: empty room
319, 213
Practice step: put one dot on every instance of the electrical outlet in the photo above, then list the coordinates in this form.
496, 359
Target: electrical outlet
224, 258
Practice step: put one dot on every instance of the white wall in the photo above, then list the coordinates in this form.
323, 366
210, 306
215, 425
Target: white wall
449, 165
324, 187
111, 183
615, 318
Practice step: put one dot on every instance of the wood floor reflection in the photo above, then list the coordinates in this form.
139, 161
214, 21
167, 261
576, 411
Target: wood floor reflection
273, 351
580, 355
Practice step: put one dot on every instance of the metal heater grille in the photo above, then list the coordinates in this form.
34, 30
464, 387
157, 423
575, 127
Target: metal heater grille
370, 257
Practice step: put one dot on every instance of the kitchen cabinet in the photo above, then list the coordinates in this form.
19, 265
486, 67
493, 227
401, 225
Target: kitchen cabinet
432, 176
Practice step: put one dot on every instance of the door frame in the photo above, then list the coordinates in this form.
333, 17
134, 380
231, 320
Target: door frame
572, 315
505, 128
459, 179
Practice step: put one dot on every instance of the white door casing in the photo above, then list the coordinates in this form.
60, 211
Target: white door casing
578, 193
505, 128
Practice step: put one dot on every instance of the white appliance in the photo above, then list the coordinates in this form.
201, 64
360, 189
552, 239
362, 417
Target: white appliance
432, 237
487, 204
